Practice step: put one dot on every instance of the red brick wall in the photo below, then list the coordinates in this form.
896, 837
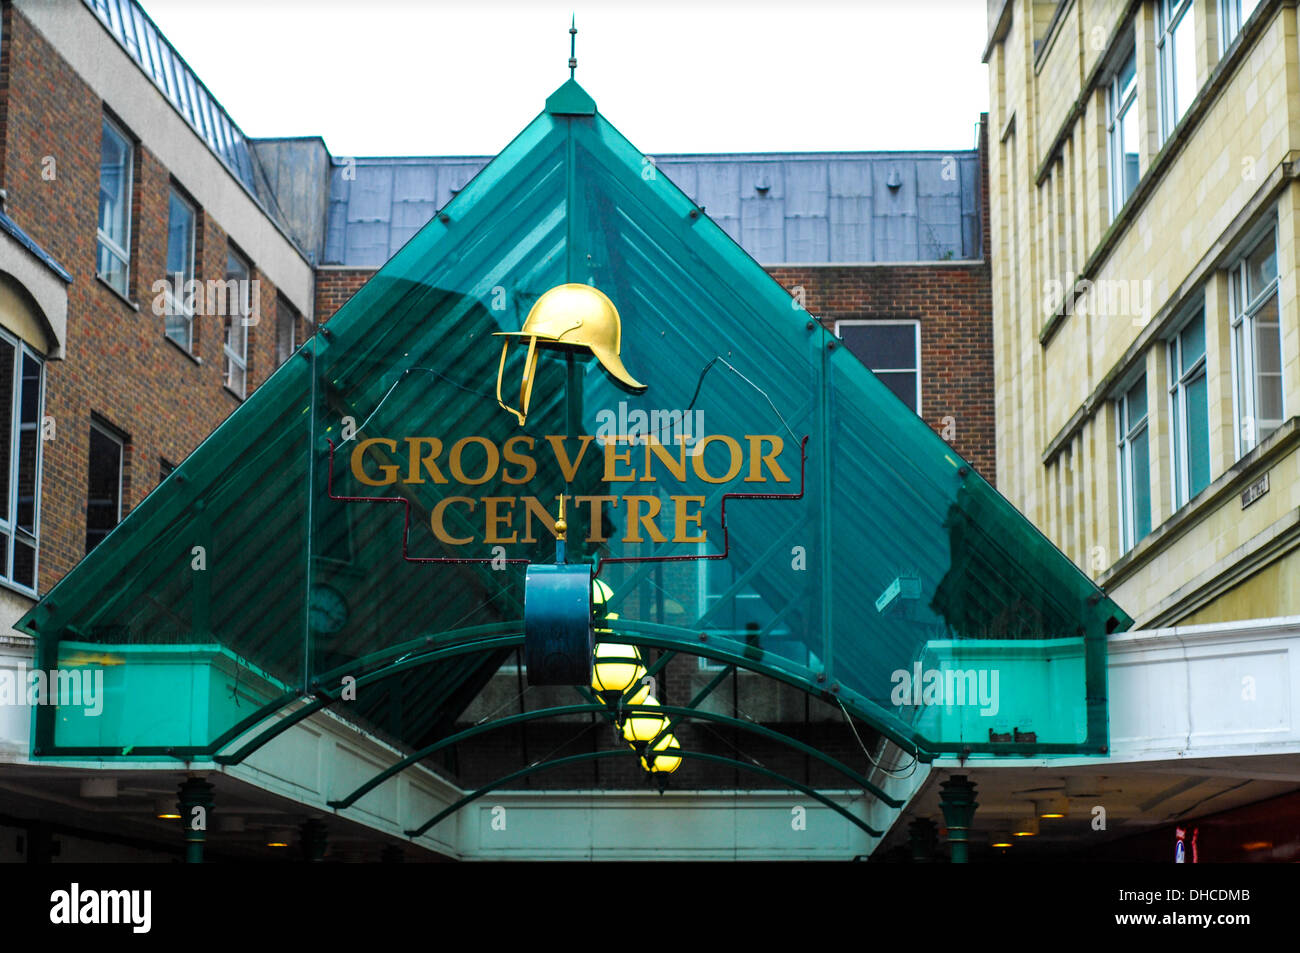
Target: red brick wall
119, 364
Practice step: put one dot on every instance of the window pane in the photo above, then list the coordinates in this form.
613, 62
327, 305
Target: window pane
24, 564
6, 425
1261, 266
882, 347
103, 496
1137, 402
286, 327
180, 241
1268, 367
1141, 485
1128, 133
1247, 8
1128, 76
1198, 434
29, 442
1184, 72
902, 383
1192, 344
114, 172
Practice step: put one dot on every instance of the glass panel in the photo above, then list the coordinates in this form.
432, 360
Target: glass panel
1128, 151
1198, 434
29, 444
1191, 344
882, 346
1261, 266
24, 564
7, 368
1141, 484
104, 487
180, 239
903, 385
114, 178
1127, 76
1137, 403
1268, 366
1184, 74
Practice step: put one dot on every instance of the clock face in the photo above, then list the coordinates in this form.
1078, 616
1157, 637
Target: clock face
329, 610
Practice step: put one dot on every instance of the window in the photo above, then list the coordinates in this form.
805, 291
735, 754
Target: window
237, 313
104, 484
21, 393
1122, 133
165, 468
180, 270
1256, 344
892, 350
1134, 465
1189, 410
1233, 15
115, 160
1176, 52
286, 331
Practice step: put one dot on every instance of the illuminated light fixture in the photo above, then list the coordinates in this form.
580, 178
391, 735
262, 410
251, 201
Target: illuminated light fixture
640, 727
617, 668
1001, 839
167, 810
1257, 845
1025, 826
278, 838
663, 762
1052, 807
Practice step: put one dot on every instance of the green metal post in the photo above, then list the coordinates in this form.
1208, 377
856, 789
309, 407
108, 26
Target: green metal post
195, 804
957, 799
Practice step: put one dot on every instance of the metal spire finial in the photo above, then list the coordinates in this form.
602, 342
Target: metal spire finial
573, 45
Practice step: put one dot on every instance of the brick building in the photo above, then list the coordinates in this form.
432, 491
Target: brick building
120, 171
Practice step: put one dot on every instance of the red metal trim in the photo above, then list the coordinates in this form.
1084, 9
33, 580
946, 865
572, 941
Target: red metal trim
406, 528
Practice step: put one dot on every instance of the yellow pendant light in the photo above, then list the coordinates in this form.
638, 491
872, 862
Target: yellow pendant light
664, 761
643, 726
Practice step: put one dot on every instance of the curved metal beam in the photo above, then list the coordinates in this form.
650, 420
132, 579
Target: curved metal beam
621, 752
326, 697
684, 714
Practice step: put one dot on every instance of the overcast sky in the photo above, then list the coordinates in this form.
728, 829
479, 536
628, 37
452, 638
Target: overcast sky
384, 77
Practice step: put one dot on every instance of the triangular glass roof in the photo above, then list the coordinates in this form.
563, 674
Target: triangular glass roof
883, 574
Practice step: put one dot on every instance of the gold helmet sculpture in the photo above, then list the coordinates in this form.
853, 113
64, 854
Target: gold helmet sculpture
571, 317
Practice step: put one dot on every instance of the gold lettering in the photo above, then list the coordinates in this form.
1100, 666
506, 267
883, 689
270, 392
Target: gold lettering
596, 515
436, 517
757, 458
702, 471
679, 533
492, 518
636, 519
388, 469
413, 470
533, 507
676, 465
529, 464
490, 466
613, 456
568, 469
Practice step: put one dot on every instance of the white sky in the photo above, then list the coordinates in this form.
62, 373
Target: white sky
383, 77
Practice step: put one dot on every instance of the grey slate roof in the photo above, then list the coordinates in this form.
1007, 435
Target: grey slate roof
782, 208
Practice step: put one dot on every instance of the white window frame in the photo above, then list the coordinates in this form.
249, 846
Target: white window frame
1126, 433
123, 254
916, 348
1178, 383
9, 528
238, 320
1170, 16
121, 463
1118, 103
175, 295
1231, 21
1242, 345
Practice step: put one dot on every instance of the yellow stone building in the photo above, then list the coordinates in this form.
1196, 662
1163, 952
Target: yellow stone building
1145, 216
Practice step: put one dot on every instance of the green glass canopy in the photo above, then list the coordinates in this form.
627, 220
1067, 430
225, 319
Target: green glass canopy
357, 531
